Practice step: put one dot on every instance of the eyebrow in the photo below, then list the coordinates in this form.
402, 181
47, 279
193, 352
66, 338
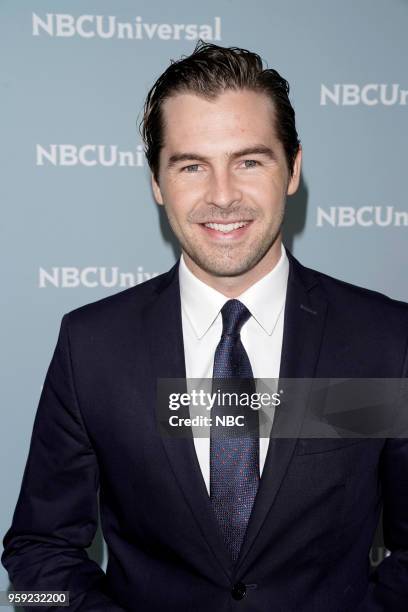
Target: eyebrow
254, 150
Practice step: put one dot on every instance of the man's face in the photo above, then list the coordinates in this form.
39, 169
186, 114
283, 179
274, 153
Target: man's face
223, 180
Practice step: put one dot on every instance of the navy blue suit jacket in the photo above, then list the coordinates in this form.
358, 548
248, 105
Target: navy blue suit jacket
319, 501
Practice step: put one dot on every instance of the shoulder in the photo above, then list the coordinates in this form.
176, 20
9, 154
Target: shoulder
357, 295
123, 306
372, 305
365, 306
365, 331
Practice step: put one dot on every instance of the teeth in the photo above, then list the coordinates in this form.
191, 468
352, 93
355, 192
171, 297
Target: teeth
228, 227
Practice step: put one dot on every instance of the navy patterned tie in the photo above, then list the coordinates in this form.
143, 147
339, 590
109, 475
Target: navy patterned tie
234, 452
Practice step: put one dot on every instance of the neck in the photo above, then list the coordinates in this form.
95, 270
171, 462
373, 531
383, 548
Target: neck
233, 286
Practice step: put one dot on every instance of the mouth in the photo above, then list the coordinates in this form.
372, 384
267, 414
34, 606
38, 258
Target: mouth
235, 229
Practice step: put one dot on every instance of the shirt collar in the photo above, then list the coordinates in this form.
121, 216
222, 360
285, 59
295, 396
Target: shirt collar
265, 299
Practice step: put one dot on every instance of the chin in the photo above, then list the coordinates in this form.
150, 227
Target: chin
231, 267
228, 261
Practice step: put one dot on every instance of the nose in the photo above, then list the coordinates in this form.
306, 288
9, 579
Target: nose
222, 189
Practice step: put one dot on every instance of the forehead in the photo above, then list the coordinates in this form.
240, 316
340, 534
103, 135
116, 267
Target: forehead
231, 118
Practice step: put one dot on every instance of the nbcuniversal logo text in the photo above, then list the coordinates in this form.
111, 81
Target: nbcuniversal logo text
62, 25
371, 94
364, 216
88, 155
70, 277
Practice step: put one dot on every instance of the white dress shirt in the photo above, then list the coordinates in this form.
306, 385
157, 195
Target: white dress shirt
261, 335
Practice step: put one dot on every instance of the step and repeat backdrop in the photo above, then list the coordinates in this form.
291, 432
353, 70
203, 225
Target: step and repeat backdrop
78, 218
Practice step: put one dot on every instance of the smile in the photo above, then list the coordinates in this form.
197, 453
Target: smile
226, 227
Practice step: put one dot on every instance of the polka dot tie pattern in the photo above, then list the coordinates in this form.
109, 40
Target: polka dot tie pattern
234, 451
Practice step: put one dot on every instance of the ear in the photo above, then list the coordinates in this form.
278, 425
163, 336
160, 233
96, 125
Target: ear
295, 178
156, 190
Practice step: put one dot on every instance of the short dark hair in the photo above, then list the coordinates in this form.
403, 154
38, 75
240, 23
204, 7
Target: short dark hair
207, 72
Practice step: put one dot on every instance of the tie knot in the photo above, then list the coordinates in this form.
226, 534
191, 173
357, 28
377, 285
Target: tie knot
234, 315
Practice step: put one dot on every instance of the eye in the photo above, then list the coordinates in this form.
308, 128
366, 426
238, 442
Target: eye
251, 163
191, 168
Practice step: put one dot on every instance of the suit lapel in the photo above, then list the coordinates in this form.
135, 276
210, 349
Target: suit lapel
305, 315
164, 334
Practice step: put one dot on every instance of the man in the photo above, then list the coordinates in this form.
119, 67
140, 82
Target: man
290, 528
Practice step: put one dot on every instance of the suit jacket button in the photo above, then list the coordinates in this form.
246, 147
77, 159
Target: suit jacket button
238, 591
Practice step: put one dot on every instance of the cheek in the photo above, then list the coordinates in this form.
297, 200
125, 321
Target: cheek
265, 181
178, 187
266, 194
177, 203
183, 197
